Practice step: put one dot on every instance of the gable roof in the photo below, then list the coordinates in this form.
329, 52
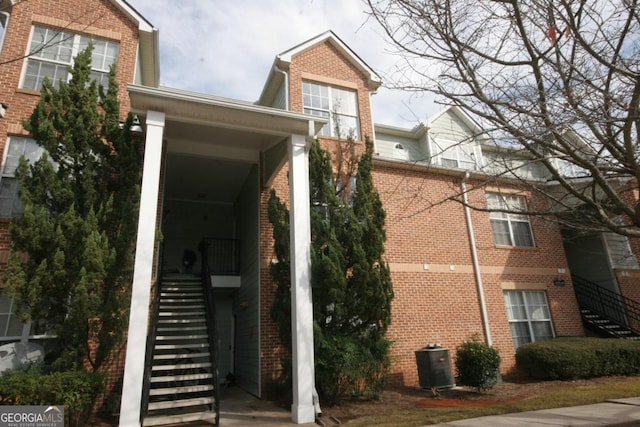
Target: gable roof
460, 114
283, 61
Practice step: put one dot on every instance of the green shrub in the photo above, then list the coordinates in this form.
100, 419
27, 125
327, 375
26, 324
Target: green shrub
477, 364
75, 390
573, 358
345, 367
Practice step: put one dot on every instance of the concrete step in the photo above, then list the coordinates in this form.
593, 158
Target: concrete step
173, 356
181, 403
181, 377
179, 300
180, 390
181, 366
180, 346
175, 321
180, 313
202, 327
181, 337
179, 418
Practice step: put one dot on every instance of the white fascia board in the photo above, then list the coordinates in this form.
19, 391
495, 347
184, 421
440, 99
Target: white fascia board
143, 24
166, 95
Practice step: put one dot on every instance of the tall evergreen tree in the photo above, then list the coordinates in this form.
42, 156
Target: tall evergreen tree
71, 263
350, 280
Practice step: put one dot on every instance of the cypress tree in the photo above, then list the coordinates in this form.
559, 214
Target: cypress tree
350, 280
71, 263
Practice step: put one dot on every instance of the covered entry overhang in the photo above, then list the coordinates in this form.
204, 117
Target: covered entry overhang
192, 124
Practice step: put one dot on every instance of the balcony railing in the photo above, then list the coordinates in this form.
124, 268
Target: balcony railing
222, 256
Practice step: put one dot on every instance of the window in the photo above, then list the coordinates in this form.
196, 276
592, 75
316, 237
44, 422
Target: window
10, 326
52, 51
400, 152
569, 169
454, 154
4, 21
529, 317
340, 106
10, 203
12, 329
509, 229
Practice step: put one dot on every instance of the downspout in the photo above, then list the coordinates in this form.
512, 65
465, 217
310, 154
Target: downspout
476, 263
286, 85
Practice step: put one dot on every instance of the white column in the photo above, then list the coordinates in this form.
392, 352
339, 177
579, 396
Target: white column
302, 409
143, 268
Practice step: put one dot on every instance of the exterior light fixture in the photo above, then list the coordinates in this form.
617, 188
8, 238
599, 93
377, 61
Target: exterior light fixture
3, 109
559, 281
136, 127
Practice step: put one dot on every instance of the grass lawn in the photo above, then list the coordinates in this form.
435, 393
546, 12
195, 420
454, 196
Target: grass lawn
558, 396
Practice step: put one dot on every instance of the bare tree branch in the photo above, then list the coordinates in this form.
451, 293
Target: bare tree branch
554, 83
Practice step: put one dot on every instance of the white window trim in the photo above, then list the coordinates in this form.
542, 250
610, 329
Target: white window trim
449, 149
26, 330
6, 26
510, 218
527, 309
331, 112
74, 52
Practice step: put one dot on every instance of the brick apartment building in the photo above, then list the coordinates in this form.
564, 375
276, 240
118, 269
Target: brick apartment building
210, 163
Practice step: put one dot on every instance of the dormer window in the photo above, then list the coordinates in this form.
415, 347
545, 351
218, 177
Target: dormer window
339, 105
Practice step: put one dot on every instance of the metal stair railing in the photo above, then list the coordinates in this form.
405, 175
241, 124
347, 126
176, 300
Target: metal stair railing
607, 303
151, 340
210, 315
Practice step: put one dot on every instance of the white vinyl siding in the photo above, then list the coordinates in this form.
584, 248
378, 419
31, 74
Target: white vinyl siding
339, 106
509, 229
529, 316
248, 327
51, 53
388, 146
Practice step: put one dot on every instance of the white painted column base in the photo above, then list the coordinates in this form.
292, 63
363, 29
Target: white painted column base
302, 414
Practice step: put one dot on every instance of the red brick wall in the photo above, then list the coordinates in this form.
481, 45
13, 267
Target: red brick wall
428, 250
324, 64
270, 348
92, 17
436, 293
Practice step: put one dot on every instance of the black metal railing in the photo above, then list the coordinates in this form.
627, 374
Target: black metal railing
210, 313
607, 303
151, 339
222, 256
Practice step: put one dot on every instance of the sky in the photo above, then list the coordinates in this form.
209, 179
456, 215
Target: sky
227, 47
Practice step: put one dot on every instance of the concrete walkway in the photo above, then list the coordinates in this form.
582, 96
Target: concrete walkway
239, 408
614, 412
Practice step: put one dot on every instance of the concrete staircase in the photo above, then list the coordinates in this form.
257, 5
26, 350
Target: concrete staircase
182, 383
